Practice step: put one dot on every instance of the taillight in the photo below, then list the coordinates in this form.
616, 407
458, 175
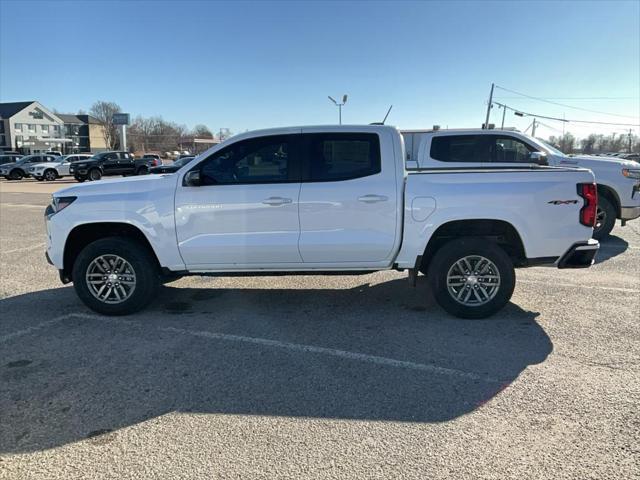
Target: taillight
589, 194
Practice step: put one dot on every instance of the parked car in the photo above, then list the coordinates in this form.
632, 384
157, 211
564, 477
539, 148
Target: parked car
316, 199
19, 169
185, 155
108, 164
618, 179
56, 169
9, 157
172, 155
155, 157
54, 153
174, 167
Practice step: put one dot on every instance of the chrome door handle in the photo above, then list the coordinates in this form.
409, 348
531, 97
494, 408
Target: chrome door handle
373, 198
276, 201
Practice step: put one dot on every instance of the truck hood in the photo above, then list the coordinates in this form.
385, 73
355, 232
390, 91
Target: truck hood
604, 162
143, 183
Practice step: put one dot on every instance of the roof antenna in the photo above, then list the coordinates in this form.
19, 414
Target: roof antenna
385, 117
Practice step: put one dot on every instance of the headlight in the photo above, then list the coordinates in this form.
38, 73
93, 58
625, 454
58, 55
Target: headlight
60, 203
631, 172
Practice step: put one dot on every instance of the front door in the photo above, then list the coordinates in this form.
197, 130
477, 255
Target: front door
110, 164
348, 200
245, 212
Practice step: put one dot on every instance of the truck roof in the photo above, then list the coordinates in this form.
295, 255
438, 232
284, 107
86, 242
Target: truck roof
461, 130
296, 129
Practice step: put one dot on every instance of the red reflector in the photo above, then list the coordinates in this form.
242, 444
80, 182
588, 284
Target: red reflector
589, 192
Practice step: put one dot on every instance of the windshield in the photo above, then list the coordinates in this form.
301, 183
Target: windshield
183, 161
551, 147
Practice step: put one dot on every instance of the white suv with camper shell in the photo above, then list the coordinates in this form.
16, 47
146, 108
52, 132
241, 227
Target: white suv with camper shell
618, 179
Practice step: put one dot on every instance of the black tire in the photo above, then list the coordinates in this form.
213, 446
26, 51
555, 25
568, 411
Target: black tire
95, 174
140, 259
50, 175
142, 171
80, 179
605, 220
16, 174
445, 259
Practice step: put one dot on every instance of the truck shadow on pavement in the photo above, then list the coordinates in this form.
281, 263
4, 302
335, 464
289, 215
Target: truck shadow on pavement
610, 247
381, 352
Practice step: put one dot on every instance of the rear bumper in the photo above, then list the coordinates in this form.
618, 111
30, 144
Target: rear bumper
580, 255
629, 213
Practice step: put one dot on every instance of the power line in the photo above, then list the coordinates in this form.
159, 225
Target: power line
562, 104
575, 98
565, 120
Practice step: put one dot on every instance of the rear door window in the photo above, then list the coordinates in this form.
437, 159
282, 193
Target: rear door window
341, 156
460, 148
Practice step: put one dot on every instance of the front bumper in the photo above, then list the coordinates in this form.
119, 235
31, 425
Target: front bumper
580, 255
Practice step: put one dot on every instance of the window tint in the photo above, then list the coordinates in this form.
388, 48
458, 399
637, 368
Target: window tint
460, 148
111, 156
260, 160
342, 156
509, 149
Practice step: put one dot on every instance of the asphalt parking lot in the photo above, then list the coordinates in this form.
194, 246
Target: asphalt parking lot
316, 377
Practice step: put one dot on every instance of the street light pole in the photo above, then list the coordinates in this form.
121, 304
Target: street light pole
339, 105
504, 110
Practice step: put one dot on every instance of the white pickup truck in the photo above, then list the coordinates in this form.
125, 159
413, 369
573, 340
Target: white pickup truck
618, 179
314, 200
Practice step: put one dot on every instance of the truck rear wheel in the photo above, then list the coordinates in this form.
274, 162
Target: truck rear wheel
605, 219
115, 276
472, 277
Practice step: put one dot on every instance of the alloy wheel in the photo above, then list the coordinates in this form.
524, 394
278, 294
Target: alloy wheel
473, 280
111, 279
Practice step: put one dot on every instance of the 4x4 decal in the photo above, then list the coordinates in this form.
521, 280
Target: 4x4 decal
562, 202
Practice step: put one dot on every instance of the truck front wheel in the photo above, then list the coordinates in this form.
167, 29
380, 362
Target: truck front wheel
472, 277
115, 276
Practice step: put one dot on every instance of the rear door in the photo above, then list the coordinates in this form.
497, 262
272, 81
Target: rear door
348, 198
126, 162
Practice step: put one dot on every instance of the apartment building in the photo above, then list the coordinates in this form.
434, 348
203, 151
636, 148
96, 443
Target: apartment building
29, 127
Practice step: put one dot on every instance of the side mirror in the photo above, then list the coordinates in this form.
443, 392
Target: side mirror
538, 157
192, 179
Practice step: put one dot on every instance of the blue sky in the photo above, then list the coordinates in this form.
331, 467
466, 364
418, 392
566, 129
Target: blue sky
260, 64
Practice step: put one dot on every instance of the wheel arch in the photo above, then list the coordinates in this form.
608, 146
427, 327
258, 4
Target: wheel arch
82, 235
499, 231
610, 194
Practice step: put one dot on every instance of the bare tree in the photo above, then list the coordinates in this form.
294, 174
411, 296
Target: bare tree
104, 111
202, 131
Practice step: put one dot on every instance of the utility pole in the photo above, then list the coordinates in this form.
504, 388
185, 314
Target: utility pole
629, 140
533, 130
504, 111
486, 121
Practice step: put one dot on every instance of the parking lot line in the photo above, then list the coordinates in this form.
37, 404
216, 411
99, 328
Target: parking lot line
25, 249
360, 357
22, 205
571, 285
45, 324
